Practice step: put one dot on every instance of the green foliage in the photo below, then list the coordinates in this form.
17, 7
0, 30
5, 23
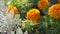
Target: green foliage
50, 26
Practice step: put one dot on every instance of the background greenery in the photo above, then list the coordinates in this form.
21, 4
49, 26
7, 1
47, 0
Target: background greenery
46, 25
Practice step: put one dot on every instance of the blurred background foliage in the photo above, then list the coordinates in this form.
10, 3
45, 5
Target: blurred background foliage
23, 5
46, 25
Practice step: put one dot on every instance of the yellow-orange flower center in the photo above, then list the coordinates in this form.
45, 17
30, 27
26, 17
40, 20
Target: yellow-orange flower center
54, 11
33, 14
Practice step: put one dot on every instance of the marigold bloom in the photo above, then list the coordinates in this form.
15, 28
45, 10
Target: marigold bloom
54, 11
14, 8
33, 14
42, 4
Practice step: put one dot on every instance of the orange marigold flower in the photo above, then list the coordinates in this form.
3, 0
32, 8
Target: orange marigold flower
54, 11
42, 4
33, 14
14, 8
